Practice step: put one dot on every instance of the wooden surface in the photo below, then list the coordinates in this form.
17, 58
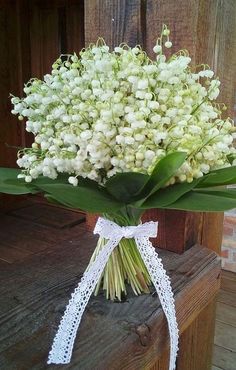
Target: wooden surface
33, 34
195, 350
36, 286
116, 21
224, 354
12, 73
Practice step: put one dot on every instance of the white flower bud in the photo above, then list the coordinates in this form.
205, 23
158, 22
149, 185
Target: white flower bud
73, 180
168, 44
28, 178
142, 84
157, 49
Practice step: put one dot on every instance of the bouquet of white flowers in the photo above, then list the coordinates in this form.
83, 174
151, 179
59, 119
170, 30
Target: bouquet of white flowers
129, 134
117, 133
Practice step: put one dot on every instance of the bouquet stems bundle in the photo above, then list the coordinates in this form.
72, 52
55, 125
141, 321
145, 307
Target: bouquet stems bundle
124, 266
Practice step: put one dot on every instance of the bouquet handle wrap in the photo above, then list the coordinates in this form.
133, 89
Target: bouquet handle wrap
64, 340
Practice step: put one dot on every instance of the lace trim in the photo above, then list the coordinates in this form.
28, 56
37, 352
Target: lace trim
64, 340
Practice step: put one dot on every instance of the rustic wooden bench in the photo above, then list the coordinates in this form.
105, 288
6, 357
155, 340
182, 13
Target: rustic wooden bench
112, 336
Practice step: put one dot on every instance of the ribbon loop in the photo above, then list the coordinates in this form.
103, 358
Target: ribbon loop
64, 340
110, 230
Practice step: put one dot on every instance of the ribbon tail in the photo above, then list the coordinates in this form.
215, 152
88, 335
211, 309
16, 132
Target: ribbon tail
162, 285
64, 340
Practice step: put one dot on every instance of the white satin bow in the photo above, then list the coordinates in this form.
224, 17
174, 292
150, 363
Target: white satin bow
64, 340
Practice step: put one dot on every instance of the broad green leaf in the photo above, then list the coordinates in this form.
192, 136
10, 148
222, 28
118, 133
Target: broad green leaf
228, 193
63, 179
51, 200
199, 201
223, 176
168, 195
162, 173
87, 199
124, 186
10, 184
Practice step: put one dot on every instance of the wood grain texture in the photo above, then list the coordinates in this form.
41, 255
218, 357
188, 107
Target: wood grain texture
74, 25
206, 29
225, 336
44, 36
116, 21
34, 293
181, 17
227, 297
196, 343
216, 368
212, 230
224, 358
226, 314
229, 282
45, 214
177, 230
12, 72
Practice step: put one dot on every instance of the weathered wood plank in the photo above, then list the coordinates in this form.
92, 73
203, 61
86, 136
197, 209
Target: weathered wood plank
229, 282
225, 336
75, 25
34, 294
196, 342
45, 214
224, 358
216, 368
227, 297
212, 231
12, 74
163, 362
181, 17
116, 21
226, 314
229, 275
11, 254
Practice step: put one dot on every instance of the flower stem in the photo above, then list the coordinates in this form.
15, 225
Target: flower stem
125, 265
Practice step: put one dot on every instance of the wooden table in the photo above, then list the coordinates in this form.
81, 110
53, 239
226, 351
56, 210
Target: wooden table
112, 336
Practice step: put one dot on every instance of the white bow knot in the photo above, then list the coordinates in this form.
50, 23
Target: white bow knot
63, 342
110, 230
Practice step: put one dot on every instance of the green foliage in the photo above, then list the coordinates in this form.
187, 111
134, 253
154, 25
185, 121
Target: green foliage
10, 184
168, 195
132, 192
85, 198
215, 201
162, 173
125, 186
223, 176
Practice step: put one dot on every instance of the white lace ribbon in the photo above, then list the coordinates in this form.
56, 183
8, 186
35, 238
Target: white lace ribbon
64, 340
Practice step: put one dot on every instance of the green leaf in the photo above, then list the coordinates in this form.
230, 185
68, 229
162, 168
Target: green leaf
223, 176
87, 199
162, 173
63, 179
124, 186
10, 184
228, 193
205, 202
51, 200
168, 195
